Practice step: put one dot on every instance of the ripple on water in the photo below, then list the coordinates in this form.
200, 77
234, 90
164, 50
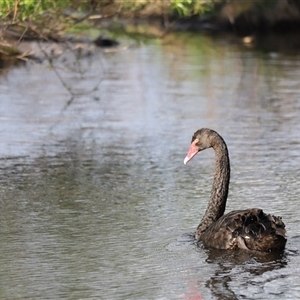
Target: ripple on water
95, 199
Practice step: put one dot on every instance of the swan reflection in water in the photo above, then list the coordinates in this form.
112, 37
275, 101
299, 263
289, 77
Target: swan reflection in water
241, 274
236, 274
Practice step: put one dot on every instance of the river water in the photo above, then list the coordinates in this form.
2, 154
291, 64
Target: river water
95, 202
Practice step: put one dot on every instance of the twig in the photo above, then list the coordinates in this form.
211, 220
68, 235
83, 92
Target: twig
63, 82
50, 60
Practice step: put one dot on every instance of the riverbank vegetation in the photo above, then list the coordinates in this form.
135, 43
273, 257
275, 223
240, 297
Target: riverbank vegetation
243, 17
21, 10
48, 20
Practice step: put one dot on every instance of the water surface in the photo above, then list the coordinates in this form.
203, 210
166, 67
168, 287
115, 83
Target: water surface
95, 200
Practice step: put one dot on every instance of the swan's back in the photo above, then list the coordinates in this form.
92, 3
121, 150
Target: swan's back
249, 229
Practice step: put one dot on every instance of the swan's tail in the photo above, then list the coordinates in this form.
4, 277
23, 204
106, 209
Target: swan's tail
262, 232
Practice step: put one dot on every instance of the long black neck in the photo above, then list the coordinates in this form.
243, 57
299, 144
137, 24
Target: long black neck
219, 192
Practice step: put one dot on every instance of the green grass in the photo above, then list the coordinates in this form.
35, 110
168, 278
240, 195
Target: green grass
21, 10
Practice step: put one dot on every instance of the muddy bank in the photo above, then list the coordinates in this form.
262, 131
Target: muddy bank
19, 44
242, 18
245, 18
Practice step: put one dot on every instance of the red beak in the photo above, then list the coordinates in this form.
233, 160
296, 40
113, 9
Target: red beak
192, 152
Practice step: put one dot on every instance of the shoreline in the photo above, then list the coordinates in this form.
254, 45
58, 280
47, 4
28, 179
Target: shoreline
248, 24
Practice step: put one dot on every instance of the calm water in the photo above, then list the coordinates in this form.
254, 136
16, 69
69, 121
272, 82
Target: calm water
95, 202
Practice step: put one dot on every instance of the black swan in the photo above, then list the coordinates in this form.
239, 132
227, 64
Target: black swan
249, 229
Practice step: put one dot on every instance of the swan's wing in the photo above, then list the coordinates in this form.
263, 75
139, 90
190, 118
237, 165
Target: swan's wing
250, 229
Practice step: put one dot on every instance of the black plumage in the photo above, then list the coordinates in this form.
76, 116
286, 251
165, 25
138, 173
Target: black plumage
249, 229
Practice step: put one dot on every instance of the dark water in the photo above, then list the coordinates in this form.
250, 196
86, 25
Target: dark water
95, 202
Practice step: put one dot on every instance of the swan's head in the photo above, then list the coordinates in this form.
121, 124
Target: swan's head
202, 139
